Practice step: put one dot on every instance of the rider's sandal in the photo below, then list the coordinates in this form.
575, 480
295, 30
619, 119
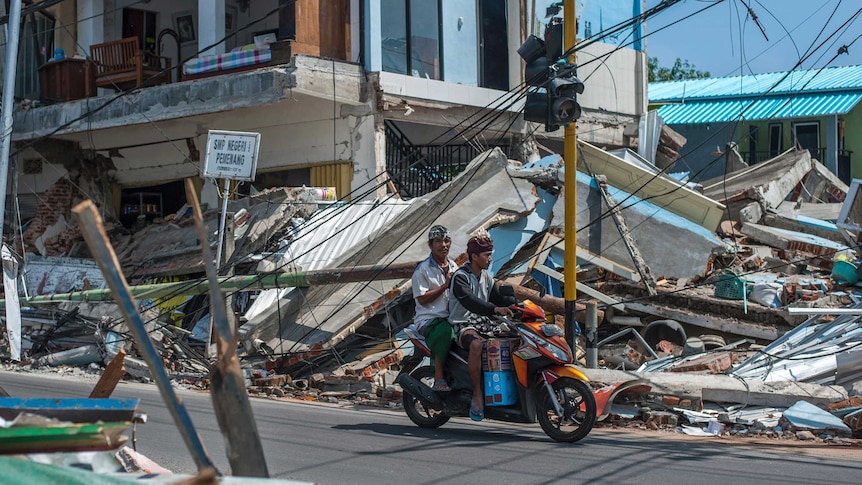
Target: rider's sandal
440, 385
476, 414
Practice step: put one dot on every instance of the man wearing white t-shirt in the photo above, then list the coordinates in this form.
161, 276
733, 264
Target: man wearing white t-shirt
431, 293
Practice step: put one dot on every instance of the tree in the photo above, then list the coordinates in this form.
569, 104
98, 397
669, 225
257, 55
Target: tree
680, 71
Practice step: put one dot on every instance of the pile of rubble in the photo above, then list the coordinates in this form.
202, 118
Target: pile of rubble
711, 279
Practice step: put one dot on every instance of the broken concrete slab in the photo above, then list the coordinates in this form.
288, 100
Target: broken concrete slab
767, 183
797, 241
323, 238
652, 227
806, 225
822, 186
721, 388
661, 190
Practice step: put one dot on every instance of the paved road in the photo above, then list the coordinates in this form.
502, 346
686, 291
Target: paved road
332, 445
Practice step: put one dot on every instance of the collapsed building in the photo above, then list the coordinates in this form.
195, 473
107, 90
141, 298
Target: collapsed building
688, 283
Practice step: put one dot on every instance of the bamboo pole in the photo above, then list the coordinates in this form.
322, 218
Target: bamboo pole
238, 283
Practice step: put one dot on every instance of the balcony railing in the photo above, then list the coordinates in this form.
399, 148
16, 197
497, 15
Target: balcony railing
419, 169
762, 156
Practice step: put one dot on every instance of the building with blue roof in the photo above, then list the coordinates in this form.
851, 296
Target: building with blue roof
765, 114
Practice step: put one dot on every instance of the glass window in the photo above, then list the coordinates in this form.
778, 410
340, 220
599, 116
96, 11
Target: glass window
410, 37
775, 139
36, 46
424, 39
393, 32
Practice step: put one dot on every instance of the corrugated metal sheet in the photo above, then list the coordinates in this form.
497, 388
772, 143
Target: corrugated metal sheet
336, 175
326, 236
846, 78
330, 232
773, 107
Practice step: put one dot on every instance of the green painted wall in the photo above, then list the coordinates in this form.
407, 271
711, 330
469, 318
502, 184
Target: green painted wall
853, 139
745, 144
852, 136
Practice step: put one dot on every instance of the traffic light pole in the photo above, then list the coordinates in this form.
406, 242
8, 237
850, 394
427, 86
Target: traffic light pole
570, 163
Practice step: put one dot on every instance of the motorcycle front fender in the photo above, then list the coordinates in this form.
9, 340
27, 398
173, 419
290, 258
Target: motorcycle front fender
555, 372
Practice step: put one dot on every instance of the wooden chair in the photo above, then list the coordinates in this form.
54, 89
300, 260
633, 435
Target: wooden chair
122, 65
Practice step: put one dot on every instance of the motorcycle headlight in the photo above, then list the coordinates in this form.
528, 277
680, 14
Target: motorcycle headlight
557, 352
551, 330
538, 341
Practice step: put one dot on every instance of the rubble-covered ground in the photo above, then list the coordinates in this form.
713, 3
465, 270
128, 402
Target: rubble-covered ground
702, 293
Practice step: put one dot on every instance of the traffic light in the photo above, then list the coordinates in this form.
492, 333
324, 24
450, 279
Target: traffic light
563, 90
536, 75
545, 68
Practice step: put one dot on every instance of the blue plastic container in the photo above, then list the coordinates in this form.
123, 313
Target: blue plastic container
845, 271
500, 388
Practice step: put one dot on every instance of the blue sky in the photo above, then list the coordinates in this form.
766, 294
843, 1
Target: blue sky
724, 41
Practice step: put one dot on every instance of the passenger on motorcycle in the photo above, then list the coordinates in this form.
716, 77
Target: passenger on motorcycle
473, 292
431, 292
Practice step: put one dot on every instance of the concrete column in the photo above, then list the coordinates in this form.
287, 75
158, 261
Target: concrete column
831, 144
211, 26
92, 29
379, 153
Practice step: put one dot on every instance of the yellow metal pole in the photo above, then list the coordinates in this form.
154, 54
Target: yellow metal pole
570, 163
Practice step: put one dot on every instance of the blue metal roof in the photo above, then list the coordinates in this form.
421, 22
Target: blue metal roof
840, 78
767, 107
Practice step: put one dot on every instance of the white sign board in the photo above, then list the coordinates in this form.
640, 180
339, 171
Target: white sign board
231, 155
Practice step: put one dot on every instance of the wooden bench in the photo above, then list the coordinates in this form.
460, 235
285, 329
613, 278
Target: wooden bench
122, 65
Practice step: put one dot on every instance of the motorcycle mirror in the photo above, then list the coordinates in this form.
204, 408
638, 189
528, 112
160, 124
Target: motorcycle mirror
507, 290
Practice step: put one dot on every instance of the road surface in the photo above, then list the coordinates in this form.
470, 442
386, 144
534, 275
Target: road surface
331, 444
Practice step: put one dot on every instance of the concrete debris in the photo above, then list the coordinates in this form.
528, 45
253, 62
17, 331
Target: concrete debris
709, 347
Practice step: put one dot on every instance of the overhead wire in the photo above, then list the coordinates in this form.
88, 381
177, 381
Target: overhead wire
514, 118
736, 120
49, 135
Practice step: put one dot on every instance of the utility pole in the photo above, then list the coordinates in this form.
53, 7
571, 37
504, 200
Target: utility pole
13, 29
570, 163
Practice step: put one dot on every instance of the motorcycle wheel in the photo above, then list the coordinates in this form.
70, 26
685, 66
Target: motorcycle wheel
422, 415
579, 410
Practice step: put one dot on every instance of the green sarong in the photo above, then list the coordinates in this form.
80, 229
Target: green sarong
438, 335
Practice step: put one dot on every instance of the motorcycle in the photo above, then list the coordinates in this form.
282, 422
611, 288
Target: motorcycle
550, 389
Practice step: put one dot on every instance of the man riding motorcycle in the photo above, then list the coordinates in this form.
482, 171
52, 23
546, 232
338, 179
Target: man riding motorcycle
473, 292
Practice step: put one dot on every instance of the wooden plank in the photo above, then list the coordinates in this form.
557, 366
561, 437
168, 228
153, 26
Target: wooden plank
66, 437
111, 376
93, 230
634, 252
582, 287
608, 265
230, 399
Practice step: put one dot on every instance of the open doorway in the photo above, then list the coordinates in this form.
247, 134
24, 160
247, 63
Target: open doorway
807, 136
140, 24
